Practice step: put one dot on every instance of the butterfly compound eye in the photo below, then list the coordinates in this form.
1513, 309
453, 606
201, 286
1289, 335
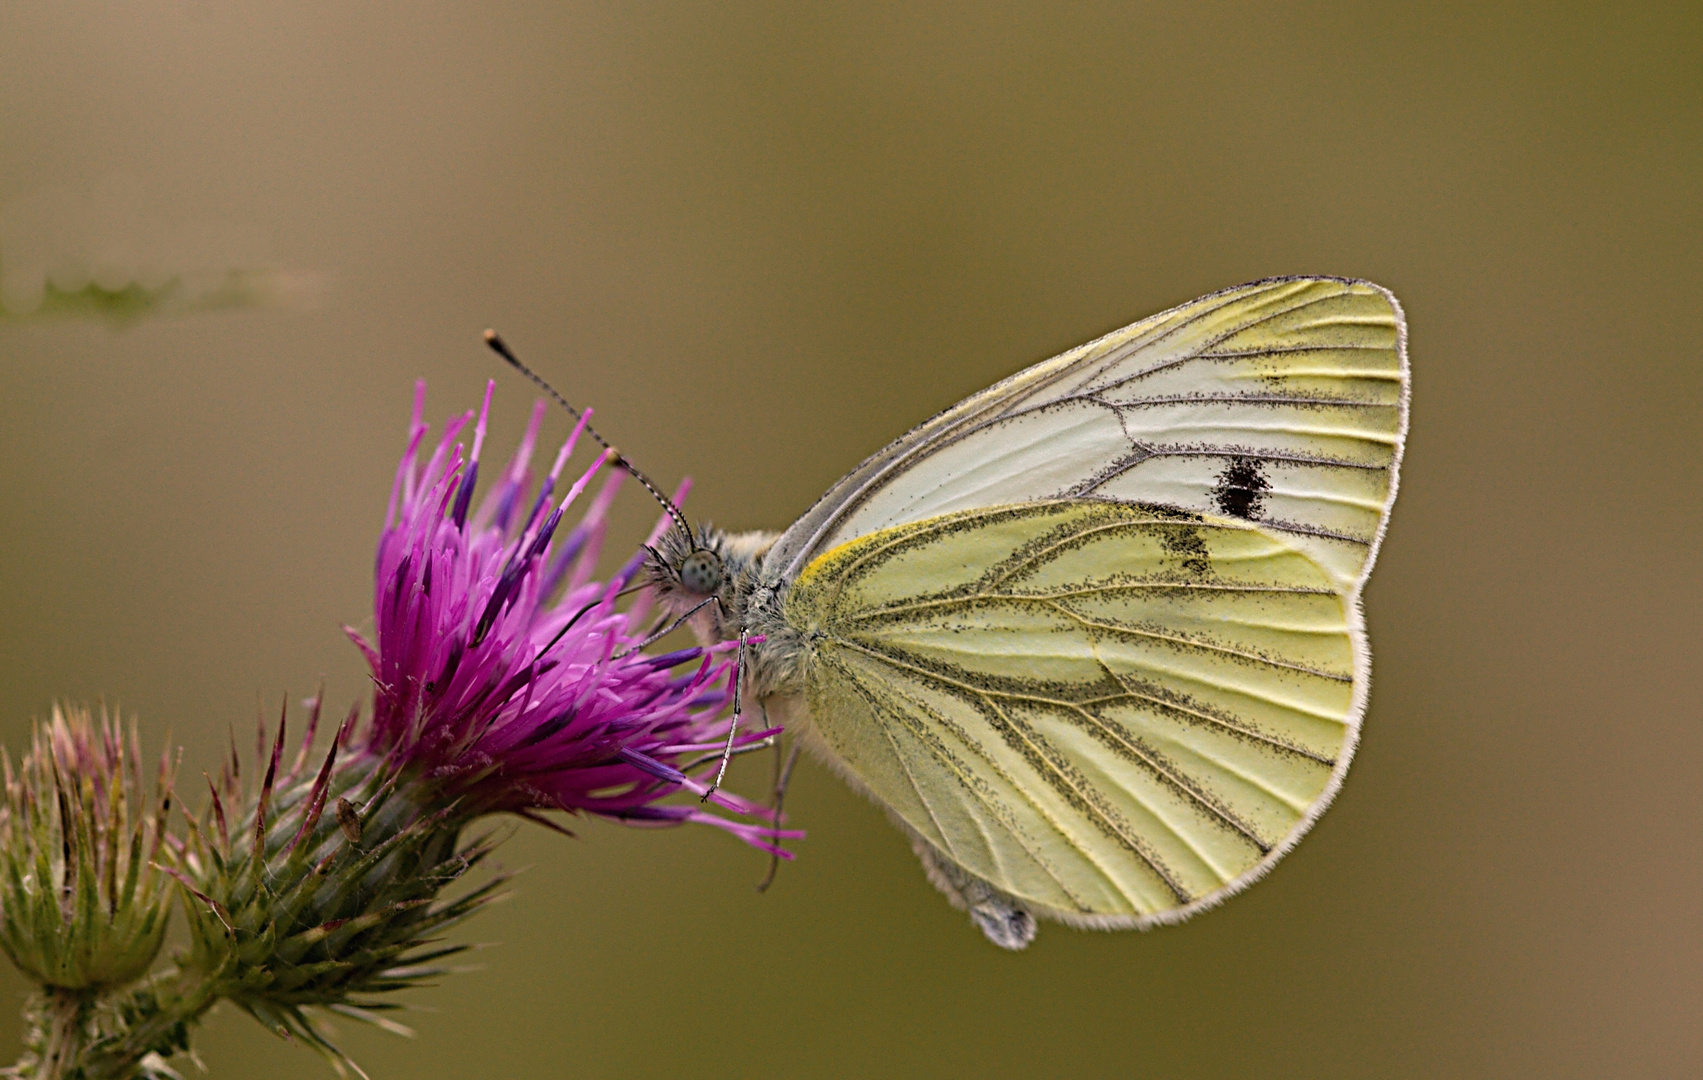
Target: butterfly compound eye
701, 572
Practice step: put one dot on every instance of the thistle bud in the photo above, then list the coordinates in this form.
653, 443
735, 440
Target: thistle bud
319, 887
82, 907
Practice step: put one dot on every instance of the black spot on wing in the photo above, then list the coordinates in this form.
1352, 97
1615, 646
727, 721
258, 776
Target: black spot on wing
1241, 488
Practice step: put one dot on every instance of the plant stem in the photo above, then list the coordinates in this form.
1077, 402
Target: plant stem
82, 1035
66, 1031
152, 1019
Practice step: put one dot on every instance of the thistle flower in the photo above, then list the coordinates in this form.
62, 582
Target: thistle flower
506, 675
81, 906
506, 681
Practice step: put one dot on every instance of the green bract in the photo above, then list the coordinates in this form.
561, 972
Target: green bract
324, 893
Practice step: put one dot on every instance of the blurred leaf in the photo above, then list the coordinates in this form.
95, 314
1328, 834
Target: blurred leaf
233, 289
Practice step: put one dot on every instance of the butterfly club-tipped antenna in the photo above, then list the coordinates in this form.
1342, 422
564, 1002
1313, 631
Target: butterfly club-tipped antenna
501, 348
701, 570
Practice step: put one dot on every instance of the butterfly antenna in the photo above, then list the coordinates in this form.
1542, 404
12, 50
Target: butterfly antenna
500, 347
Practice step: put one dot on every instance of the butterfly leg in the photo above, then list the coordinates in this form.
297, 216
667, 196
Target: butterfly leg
1005, 921
783, 774
733, 725
661, 631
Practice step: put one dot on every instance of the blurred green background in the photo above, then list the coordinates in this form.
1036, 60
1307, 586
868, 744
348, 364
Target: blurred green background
764, 239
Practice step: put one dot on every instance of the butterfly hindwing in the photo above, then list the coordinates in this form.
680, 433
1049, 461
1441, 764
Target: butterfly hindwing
1115, 713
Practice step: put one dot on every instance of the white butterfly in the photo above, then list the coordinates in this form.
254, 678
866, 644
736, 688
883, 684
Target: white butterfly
1092, 637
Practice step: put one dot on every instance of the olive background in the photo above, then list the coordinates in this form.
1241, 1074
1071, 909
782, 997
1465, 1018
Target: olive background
762, 240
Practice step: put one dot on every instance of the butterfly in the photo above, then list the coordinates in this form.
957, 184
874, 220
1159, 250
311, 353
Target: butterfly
1092, 637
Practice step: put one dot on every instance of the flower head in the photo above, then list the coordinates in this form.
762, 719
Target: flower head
506, 674
81, 903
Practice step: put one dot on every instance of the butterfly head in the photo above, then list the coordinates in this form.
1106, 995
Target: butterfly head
709, 573
687, 568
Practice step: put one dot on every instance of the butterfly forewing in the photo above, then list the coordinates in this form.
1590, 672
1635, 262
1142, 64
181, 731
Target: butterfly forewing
1281, 402
1113, 712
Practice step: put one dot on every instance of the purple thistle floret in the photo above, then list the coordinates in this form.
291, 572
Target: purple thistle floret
505, 674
